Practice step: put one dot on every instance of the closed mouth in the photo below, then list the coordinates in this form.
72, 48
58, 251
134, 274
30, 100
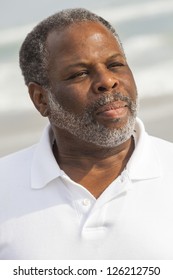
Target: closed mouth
111, 106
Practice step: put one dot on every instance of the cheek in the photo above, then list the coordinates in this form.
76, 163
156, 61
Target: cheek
71, 97
130, 85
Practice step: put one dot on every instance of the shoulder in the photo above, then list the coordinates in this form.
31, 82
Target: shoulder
14, 160
15, 168
22, 159
158, 143
162, 145
164, 152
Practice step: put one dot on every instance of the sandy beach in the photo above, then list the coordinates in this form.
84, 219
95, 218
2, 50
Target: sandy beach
20, 130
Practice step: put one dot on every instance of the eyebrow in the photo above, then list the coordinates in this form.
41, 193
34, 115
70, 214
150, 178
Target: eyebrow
84, 64
79, 64
115, 56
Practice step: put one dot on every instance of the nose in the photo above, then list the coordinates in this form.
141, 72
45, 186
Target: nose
104, 81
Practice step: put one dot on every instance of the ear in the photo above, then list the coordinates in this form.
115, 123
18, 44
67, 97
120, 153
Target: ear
38, 96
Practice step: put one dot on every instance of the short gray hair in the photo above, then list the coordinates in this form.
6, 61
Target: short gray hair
33, 56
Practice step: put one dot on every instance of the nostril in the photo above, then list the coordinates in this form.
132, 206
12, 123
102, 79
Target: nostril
102, 89
114, 85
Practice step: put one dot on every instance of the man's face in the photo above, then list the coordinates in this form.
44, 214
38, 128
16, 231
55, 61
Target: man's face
93, 93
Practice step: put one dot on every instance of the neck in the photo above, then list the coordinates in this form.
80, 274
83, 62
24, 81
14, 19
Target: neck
91, 165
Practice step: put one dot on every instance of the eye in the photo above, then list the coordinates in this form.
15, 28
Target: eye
115, 64
80, 74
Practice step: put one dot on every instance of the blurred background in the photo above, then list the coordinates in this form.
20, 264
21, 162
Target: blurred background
146, 30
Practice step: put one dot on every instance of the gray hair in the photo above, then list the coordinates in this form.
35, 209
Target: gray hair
33, 56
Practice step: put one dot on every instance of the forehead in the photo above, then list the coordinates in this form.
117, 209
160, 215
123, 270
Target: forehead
81, 39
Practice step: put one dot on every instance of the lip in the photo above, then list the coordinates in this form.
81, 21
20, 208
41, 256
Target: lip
112, 111
114, 106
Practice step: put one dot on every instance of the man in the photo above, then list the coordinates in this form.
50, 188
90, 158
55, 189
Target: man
96, 186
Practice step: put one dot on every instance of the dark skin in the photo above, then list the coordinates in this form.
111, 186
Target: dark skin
82, 67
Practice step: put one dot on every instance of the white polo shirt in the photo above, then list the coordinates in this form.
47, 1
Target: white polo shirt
46, 215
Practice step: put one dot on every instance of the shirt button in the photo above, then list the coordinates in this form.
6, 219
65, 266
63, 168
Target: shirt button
86, 202
122, 179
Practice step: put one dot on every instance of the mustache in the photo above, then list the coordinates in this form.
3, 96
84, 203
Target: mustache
109, 98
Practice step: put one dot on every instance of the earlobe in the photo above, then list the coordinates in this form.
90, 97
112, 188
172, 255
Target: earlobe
39, 98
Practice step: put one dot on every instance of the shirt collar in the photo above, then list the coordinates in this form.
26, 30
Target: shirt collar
144, 163
44, 167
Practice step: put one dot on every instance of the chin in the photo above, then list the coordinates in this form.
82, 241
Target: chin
116, 123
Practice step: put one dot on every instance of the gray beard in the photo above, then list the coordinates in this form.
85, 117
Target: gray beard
85, 128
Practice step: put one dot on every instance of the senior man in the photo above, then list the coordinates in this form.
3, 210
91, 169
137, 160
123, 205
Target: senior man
96, 186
